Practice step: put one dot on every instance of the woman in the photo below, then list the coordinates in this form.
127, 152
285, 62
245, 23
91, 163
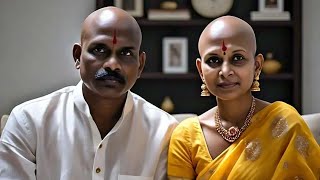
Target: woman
242, 137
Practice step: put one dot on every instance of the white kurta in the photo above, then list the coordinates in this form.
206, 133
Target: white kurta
56, 137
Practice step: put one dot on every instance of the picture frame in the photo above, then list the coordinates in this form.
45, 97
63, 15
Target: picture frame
133, 7
271, 5
175, 55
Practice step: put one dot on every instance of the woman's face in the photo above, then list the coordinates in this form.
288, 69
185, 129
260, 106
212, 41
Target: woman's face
228, 66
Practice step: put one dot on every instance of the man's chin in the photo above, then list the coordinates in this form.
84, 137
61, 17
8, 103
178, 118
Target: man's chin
111, 93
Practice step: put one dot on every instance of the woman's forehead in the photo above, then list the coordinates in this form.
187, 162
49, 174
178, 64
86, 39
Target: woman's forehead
232, 43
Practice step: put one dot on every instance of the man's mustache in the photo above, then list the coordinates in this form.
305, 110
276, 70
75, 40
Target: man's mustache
105, 74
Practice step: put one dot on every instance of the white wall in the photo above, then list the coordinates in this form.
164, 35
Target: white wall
311, 56
36, 39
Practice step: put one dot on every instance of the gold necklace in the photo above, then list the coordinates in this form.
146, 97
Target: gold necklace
233, 133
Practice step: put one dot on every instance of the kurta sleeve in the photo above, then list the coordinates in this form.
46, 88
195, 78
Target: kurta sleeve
179, 154
17, 148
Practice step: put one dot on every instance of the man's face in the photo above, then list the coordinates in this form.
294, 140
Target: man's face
110, 62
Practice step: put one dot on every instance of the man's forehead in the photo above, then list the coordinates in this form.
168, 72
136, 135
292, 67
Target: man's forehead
106, 16
108, 29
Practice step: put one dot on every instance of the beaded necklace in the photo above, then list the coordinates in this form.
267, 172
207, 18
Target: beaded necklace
233, 133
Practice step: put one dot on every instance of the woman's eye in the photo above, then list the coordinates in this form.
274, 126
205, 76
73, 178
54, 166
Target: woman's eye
238, 58
213, 61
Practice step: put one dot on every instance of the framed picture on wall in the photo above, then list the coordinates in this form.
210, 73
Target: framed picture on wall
133, 7
175, 55
271, 5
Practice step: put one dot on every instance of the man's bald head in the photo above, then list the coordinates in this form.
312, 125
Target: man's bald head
228, 28
111, 19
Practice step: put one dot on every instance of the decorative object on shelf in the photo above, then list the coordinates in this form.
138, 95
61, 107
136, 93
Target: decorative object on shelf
212, 8
175, 55
271, 65
169, 10
270, 10
167, 104
133, 7
168, 5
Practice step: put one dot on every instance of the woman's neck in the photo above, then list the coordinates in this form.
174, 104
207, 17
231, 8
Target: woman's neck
235, 111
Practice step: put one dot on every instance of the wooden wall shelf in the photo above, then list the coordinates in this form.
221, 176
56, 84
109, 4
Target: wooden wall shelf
204, 22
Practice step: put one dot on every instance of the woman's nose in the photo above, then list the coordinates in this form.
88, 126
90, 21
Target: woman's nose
226, 69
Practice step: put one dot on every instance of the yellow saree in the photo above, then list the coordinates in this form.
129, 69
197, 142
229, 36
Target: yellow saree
277, 145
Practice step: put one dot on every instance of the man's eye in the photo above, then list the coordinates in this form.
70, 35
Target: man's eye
126, 53
99, 50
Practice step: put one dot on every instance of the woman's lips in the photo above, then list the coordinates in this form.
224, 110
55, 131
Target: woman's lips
228, 85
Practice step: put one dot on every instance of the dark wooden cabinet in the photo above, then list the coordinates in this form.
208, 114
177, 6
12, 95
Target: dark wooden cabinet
283, 38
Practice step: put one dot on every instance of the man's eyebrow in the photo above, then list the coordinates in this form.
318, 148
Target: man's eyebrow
128, 48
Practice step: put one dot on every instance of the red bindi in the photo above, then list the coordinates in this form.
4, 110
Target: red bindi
114, 40
224, 48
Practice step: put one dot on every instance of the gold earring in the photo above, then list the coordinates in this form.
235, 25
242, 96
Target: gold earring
204, 91
255, 84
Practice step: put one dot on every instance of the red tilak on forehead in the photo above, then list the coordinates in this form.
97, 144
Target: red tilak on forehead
224, 48
114, 40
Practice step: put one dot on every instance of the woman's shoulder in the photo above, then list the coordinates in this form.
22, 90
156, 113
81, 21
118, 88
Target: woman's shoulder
188, 123
279, 111
187, 127
277, 107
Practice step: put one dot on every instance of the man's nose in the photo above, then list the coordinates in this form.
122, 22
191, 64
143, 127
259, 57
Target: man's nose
112, 63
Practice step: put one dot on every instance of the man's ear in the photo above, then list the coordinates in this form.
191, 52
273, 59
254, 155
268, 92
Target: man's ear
142, 62
258, 64
198, 64
76, 52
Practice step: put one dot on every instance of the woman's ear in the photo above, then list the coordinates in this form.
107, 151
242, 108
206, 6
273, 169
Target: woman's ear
258, 64
198, 64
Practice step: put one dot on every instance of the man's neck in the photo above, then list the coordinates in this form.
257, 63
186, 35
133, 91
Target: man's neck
105, 111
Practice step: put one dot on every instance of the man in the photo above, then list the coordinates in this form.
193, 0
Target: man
97, 129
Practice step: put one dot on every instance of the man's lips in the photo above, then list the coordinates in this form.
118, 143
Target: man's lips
111, 78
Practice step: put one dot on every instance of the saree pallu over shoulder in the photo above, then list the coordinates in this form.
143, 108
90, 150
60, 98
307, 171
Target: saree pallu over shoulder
277, 145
